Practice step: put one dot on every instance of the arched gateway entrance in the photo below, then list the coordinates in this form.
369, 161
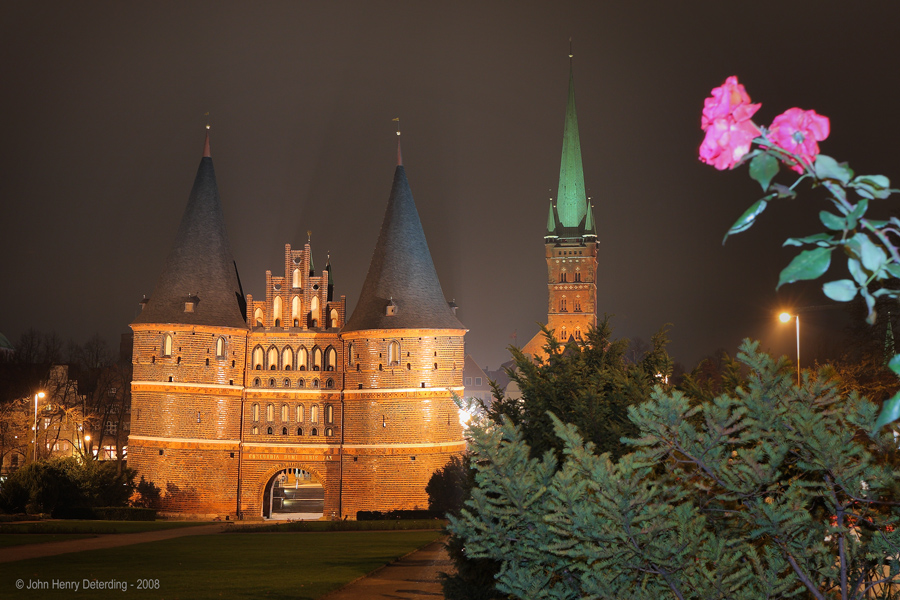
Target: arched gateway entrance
295, 494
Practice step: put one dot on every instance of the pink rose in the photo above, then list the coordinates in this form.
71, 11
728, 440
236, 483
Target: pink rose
726, 121
799, 131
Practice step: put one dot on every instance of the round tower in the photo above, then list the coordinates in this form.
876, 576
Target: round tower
190, 342
404, 350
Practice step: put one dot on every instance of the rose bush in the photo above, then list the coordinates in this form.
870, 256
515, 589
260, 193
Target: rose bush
870, 245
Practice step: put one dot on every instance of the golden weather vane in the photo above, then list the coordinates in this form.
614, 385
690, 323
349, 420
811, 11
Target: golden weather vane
398, 124
206, 114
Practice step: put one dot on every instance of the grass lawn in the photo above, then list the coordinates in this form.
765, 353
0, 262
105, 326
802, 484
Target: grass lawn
20, 539
299, 566
95, 527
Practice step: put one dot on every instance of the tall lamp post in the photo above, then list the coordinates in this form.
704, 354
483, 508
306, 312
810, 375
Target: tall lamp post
36, 396
785, 317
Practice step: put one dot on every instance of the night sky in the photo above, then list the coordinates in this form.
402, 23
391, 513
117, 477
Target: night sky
102, 124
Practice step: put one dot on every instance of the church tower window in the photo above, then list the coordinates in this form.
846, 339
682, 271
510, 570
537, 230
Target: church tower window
270, 413
254, 412
330, 358
272, 358
287, 358
257, 358
167, 345
296, 281
220, 348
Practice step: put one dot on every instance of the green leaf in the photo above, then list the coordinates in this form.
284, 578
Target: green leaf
890, 410
763, 168
893, 268
856, 270
809, 264
819, 239
872, 186
828, 168
842, 290
748, 218
872, 256
832, 222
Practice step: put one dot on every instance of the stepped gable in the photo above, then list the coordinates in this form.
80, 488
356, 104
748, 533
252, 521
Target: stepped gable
200, 272
402, 273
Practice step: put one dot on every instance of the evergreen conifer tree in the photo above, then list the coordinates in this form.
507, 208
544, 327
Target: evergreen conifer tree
771, 491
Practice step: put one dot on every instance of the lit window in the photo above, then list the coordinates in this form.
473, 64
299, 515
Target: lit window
317, 359
394, 353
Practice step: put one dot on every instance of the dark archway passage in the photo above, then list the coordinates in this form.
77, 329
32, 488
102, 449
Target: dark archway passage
294, 494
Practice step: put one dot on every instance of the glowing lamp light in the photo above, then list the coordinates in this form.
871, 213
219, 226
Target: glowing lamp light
784, 317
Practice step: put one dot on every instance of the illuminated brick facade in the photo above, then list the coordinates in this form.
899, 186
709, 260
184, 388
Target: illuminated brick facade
231, 393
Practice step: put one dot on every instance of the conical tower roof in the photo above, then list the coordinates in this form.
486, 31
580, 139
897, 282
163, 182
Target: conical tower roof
200, 269
571, 201
402, 273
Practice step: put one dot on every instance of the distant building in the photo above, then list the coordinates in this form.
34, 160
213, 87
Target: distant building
570, 245
281, 406
6, 348
476, 381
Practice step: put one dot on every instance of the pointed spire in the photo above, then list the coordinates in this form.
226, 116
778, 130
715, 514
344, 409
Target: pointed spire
206, 153
571, 204
328, 269
551, 222
402, 290
200, 270
590, 229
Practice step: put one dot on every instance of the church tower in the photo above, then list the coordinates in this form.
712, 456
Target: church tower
190, 342
405, 355
570, 244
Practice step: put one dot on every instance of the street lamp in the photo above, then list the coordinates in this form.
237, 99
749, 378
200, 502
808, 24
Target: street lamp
36, 396
785, 317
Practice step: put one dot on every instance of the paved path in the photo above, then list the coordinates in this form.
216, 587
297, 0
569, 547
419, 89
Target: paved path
413, 577
109, 540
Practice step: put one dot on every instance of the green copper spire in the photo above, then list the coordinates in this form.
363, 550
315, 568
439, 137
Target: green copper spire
589, 229
571, 203
551, 222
